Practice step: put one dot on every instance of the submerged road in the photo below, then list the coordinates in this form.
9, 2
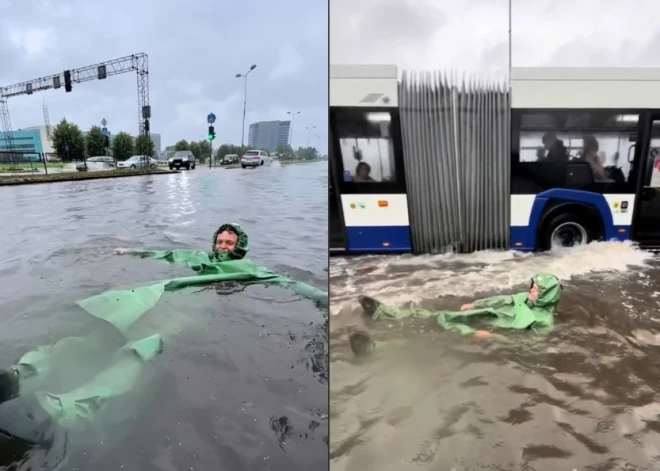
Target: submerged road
242, 381
586, 398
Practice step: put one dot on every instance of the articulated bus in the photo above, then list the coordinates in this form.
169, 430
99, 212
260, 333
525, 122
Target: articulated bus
368, 202
585, 159
585, 156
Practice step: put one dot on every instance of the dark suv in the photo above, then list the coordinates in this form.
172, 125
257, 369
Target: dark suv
182, 158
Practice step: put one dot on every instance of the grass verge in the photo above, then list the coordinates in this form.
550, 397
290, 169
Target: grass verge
74, 176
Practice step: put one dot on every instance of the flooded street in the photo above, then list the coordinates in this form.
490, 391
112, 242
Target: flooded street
584, 398
242, 381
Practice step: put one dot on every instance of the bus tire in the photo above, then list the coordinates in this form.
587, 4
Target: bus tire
571, 227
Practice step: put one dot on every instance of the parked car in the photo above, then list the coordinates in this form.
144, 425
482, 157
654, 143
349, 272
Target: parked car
138, 161
182, 158
255, 158
230, 159
104, 162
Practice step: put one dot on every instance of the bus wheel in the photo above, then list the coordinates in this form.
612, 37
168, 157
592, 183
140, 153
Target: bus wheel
566, 230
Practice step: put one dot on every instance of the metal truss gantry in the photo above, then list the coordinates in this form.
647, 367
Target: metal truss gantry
138, 63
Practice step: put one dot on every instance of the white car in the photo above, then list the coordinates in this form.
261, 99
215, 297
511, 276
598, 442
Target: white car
104, 162
256, 158
138, 161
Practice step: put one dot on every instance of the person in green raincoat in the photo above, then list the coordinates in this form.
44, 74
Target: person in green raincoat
530, 310
30, 416
230, 242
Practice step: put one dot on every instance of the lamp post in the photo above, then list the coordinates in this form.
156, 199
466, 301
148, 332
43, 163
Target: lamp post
245, 76
310, 134
293, 118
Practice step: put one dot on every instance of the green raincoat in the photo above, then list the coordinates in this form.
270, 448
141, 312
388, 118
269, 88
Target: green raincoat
120, 309
501, 312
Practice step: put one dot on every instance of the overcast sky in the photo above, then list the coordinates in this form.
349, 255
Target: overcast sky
472, 34
195, 50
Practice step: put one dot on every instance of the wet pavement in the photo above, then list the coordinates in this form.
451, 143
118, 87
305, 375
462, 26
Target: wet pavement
585, 398
242, 381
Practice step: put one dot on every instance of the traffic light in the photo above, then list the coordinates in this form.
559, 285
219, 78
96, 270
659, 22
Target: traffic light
211, 133
107, 141
67, 80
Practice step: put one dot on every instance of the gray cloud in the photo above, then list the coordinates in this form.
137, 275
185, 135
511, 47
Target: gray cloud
472, 35
195, 50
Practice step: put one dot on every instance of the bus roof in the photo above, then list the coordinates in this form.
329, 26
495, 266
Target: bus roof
582, 87
364, 85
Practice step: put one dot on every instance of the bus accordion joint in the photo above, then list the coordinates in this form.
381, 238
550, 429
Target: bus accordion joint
382, 203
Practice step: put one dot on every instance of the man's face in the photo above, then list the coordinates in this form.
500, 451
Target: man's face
533, 293
226, 242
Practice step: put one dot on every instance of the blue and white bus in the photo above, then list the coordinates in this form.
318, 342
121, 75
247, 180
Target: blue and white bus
368, 202
585, 156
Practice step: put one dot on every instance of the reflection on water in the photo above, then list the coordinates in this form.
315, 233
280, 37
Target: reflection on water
584, 398
236, 360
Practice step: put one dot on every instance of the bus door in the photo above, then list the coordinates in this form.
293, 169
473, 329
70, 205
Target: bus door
646, 225
367, 162
337, 230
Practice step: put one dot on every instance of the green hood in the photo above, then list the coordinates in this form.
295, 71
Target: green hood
549, 291
241, 249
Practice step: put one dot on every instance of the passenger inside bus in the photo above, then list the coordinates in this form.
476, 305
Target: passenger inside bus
590, 155
556, 150
363, 173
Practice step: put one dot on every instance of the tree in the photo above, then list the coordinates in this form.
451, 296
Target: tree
285, 151
308, 153
227, 149
66, 133
182, 145
95, 141
122, 146
204, 149
195, 149
144, 145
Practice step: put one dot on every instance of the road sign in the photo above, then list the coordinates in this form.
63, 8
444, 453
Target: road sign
104, 122
104, 130
210, 118
67, 148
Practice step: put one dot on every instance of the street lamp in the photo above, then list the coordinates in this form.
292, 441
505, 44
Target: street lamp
245, 75
293, 118
310, 134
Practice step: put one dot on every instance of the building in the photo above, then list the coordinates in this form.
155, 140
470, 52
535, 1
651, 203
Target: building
26, 141
156, 139
269, 134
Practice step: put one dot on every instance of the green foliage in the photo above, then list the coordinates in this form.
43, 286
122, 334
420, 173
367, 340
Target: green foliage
182, 145
123, 146
200, 149
226, 149
95, 141
68, 133
144, 145
285, 151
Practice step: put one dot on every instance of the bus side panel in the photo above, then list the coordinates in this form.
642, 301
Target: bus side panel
377, 223
522, 232
527, 210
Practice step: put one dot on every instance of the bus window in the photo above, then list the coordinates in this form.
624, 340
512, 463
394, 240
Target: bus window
575, 149
366, 146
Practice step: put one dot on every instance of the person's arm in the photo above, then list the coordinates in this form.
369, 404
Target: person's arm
493, 301
172, 256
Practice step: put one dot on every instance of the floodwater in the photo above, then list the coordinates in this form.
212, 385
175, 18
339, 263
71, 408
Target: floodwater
586, 398
242, 381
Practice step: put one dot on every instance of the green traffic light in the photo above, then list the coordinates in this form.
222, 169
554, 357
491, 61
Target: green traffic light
211, 137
